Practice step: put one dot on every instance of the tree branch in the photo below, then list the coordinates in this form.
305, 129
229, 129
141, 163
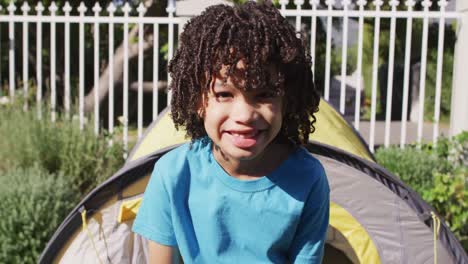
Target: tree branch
117, 69
148, 86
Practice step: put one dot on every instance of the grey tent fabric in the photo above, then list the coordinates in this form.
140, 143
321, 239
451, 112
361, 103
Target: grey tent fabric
396, 230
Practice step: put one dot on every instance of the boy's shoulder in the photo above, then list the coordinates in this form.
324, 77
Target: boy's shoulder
303, 173
179, 160
306, 165
185, 151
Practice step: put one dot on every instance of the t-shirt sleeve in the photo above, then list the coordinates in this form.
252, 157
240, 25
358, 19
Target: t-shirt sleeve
309, 240
154, 220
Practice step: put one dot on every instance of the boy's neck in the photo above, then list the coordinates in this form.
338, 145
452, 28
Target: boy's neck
262, 165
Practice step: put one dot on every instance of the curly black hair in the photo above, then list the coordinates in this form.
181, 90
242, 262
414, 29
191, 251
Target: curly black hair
257, 34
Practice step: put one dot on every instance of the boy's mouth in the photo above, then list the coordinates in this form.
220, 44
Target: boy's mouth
245, 139
250, 134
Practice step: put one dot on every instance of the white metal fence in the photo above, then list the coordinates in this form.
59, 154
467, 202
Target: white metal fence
65, 18
137, 27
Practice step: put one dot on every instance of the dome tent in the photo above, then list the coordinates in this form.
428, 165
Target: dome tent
374, 217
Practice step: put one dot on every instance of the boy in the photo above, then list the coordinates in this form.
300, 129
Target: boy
244, 190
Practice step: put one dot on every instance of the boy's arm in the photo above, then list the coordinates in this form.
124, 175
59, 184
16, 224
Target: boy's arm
161, 254
154, 219
309, 240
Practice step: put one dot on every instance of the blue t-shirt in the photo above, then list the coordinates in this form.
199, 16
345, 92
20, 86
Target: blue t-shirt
192, 203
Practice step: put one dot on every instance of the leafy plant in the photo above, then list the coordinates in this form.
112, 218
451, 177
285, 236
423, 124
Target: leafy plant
58, 148
27, 198
46, 168
411, 165
449, 197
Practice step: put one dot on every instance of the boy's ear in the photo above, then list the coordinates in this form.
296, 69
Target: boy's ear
201, 112
203, 98
201, 107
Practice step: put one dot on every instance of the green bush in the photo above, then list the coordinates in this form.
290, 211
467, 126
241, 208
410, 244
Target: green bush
45, 169
410, 165
33, 203
439, 173
58, 147
449, 197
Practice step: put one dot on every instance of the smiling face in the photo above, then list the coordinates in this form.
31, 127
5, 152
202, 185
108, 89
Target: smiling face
242, 124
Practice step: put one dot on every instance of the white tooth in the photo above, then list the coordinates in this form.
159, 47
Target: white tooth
249, 135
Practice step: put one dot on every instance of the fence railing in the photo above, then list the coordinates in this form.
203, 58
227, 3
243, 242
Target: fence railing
96, 21
151, 40
347, 11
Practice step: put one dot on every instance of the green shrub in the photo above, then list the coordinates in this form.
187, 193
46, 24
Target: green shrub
439, 173
454, 151
33, 203
45, 169
411, 165
58, 147
449, 197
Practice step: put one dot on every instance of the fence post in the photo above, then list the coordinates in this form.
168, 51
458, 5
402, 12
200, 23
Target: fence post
81, 9
1, 8
11, 51
126, 9
53, 8
111, 9
25, 8
96, 9
171, 9
67, 9
459, 107
39, 8
141, 12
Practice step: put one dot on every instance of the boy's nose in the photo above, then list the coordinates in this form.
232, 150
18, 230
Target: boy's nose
243, 111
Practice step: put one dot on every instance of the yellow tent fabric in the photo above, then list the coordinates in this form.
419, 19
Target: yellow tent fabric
355, 234
128, 210
331, 129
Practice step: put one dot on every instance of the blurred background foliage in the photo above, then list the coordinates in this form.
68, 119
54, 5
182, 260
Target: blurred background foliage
46, 169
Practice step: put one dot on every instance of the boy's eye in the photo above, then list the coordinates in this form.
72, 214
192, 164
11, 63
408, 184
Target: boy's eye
223, 95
